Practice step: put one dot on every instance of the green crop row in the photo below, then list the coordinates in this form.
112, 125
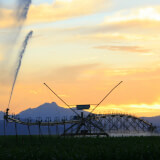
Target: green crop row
69, 148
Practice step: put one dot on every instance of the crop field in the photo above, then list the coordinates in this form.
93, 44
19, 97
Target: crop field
60, 148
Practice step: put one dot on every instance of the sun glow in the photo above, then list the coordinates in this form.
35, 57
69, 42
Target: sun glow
133, 109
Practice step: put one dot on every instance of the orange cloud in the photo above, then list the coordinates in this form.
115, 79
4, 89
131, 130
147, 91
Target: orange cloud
61, 10
145, 13
112, 37
138, 26
130, 25
141, 19
72, 73
6, 18
124, 48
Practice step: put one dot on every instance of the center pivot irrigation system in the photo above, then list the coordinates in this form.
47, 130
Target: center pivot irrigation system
84, 122
91, 124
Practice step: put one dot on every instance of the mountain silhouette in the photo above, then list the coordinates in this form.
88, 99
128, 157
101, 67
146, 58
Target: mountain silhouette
51, 110
54, 111
154, 120
1, 115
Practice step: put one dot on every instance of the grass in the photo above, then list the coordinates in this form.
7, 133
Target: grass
60, 148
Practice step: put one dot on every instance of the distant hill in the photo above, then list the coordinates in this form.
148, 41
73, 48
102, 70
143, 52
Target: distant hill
48, 110
154, 120
53, 110
45, 110
1, 115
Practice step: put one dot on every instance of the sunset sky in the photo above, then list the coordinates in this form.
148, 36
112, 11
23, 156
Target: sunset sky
82, 49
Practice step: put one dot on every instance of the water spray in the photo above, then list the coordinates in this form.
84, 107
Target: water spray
22, 9
19, 16
21, 54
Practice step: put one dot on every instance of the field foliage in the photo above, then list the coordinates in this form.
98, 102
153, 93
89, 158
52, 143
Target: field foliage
60, 148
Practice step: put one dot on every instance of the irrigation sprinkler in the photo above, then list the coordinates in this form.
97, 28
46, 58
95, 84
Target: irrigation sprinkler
87, 125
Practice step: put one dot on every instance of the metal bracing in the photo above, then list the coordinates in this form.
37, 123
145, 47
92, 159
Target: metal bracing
92, 125
124, 123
